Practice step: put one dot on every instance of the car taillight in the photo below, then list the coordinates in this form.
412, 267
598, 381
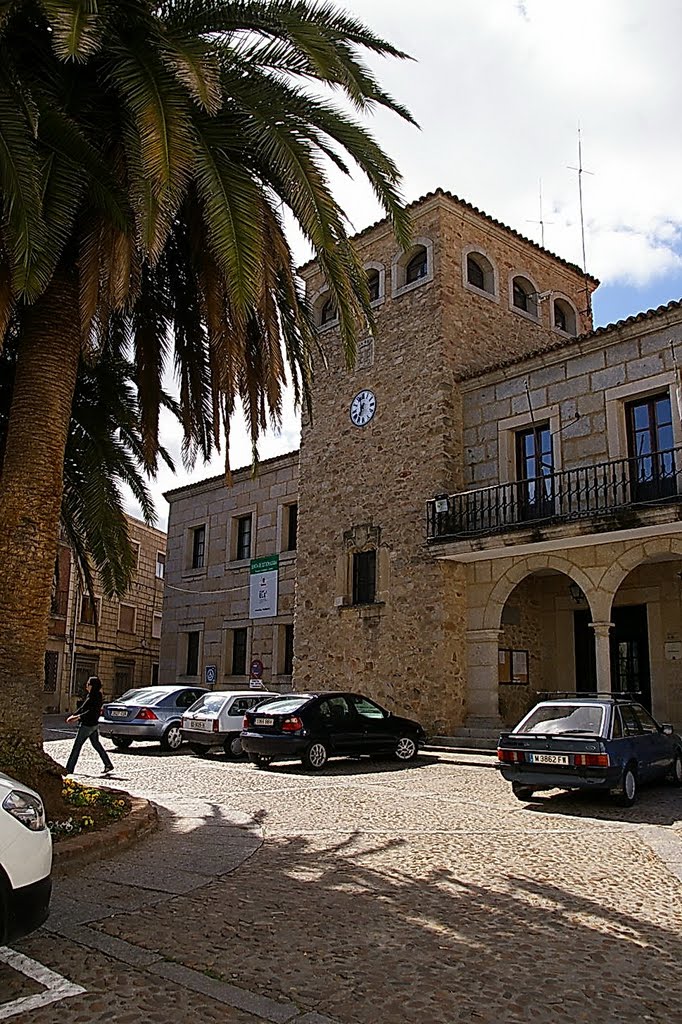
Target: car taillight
245, 723
510, 755
591, 760
147, 714
293, 724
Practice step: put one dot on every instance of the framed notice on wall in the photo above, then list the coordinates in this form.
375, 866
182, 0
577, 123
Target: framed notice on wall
512, 667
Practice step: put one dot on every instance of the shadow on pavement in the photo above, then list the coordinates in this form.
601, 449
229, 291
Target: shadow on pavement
656, 805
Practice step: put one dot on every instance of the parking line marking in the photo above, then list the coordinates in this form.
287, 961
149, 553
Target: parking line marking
56, 987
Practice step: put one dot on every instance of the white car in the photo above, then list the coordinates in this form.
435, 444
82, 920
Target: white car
217, 718
25, 860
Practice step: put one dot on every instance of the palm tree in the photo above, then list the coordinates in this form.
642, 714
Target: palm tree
147, 153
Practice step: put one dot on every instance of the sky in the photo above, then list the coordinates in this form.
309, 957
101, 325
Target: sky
499, 88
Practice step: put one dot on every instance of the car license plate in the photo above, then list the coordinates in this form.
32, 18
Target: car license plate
549, 758
264, 721
199, 724
119, 714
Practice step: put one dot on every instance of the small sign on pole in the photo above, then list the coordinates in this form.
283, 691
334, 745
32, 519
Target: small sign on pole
210, 674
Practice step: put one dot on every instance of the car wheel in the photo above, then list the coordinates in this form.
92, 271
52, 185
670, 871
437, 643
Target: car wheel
522, 792
626, 794
261, 760
315, 757
675, 774
172, 738
406, 749
233, 746
122, 742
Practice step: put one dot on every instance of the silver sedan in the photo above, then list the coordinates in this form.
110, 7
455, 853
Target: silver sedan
148, 713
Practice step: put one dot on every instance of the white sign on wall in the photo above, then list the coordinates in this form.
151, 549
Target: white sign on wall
263, 591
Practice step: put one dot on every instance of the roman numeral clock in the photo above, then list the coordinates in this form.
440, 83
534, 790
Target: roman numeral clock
363, 407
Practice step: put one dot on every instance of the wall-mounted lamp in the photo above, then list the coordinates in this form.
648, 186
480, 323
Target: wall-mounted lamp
576, 593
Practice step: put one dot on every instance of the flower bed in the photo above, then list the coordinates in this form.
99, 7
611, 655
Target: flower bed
93, 809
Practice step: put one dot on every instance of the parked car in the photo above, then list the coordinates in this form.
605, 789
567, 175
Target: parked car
148, 713
317, 726
608, 743
25, 860
216, 720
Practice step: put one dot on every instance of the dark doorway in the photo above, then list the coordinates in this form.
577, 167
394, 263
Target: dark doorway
585, 660
630, 671
630, 652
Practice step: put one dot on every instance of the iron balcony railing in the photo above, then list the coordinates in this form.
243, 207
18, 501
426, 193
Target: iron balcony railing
648, 479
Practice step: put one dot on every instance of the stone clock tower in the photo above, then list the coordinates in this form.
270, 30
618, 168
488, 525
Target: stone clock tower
374, 610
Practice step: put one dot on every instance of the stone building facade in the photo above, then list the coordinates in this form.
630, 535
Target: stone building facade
474, 523
123, 649
218, 539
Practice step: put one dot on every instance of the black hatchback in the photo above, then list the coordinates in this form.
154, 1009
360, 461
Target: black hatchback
317, 726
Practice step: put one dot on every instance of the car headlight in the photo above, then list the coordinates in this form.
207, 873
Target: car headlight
26, 808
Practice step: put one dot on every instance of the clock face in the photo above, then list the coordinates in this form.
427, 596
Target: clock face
362, 408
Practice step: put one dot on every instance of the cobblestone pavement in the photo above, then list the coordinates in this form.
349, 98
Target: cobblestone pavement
371, 894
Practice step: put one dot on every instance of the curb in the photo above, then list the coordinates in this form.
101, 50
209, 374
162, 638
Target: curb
142, 819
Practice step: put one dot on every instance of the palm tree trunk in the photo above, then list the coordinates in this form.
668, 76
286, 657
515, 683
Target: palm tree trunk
31, 484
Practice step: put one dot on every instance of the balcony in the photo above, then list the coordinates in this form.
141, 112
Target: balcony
606, 488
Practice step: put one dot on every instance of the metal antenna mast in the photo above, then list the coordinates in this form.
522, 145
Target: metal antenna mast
581, 170
542, 220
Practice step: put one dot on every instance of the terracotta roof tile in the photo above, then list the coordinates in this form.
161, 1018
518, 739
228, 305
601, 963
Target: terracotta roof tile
242, 470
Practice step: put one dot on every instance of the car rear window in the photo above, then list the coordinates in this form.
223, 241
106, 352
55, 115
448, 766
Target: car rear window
212, 702
142, 696
564, 719
282, 705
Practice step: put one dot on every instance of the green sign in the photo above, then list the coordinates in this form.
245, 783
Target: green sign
268, 564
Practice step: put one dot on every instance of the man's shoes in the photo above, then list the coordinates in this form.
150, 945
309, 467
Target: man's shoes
107, 771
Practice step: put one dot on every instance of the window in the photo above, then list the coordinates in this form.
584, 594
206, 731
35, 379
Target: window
124, 674
244, 537
192, 663
328, 313
524, 296
239, 637
475, 273
564, 317
155, 674
160, 564
84, 668
156, 625
650, 443
534, 471
374, 285
89, 610
631, 725
334, 709
291, 534
198, 547
126, 618
367, 708
645, 720
135, 545
288, 663
50, 674
417, 267
364, 577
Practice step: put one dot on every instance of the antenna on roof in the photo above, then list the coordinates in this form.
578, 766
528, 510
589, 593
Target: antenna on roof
542, 220
581, 170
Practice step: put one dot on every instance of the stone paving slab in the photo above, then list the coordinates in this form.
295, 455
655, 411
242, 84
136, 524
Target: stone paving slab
260, 1006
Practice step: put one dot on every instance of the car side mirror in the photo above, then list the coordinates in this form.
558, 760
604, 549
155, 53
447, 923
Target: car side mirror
667, 730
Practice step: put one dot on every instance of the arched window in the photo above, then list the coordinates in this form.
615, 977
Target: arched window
374, 284
417, 266
480, 272
524, 296
564, 317
327, 313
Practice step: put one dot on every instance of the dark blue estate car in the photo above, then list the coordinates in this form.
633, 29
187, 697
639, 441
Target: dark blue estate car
608, 743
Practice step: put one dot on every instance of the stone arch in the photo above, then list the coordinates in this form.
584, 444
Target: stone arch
519, 571
635, 555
